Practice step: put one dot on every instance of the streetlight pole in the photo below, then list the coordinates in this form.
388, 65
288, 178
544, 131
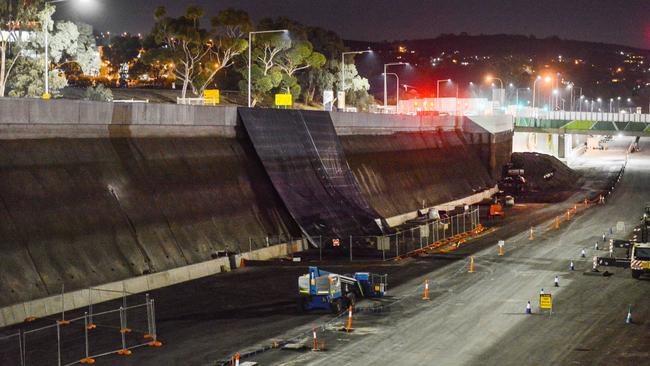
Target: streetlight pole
397, 90
250, 57
46, 31
343, 66
385, 85
438, 91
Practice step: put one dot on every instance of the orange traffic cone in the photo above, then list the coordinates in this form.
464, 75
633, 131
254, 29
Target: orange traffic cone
349, 327
426, 290
315, 349
237, 357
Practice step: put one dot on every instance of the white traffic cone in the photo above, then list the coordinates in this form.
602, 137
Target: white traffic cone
571, 266
628, 319
528, 310
557, 282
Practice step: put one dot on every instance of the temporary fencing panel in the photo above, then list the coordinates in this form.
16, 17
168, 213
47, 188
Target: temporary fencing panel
103, 329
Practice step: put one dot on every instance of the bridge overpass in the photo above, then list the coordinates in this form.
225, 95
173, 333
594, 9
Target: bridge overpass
584, 123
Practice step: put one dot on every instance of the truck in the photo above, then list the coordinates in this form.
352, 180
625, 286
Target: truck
640, 259
324, 290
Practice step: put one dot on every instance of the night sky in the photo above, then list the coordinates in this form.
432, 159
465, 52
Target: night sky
624, 22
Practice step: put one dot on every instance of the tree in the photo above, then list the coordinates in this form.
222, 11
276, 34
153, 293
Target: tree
28, 79
122, 50
17, 19
265, 73
184, 43
230, 27
66, 45
98, 93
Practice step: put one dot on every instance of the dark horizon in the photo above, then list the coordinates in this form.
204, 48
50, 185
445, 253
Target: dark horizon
599, 21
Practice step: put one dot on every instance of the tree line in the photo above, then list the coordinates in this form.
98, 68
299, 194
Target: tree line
195, 50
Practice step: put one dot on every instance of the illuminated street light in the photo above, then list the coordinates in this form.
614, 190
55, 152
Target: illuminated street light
343, 66
250, 63
547, 79
385, 87
489, 78
46, 94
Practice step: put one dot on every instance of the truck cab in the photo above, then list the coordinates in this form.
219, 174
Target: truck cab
640, 259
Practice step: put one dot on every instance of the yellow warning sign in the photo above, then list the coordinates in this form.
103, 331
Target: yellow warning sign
545, 301
283, 100
211, 96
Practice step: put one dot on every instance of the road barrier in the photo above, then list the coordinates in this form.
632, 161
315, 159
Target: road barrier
117, 329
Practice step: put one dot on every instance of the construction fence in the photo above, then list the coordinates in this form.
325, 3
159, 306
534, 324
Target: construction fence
100, 329
415, 236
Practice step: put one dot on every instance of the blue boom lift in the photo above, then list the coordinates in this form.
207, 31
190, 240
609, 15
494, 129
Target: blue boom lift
329, 291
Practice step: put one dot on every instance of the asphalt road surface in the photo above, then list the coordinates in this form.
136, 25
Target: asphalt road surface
479, 318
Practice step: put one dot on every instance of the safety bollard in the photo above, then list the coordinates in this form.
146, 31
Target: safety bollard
571, 266
582, 253
532, 234
557, 281
426, 290
237, 357
557, 222
528, 309
568, 214
471, 264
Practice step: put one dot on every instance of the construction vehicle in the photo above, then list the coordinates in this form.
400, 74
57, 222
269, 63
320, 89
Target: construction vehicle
330, 291
640, 259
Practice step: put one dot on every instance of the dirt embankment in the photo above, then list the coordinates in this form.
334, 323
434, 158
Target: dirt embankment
547, 178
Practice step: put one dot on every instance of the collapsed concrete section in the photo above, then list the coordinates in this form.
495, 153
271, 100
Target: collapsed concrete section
92, 193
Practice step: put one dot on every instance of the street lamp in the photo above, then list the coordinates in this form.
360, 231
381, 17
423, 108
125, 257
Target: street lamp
46, 32
489, 79
438, 91
538, 78
397, 90
385, 87
343, 65
250, 56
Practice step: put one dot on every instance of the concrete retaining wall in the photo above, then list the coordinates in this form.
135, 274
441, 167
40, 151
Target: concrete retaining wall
35, 118
94, 193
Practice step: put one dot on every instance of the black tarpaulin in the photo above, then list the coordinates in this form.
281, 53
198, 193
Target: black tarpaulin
304, 159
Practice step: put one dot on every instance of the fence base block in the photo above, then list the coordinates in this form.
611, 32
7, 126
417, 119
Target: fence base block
87, 361
124, 352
